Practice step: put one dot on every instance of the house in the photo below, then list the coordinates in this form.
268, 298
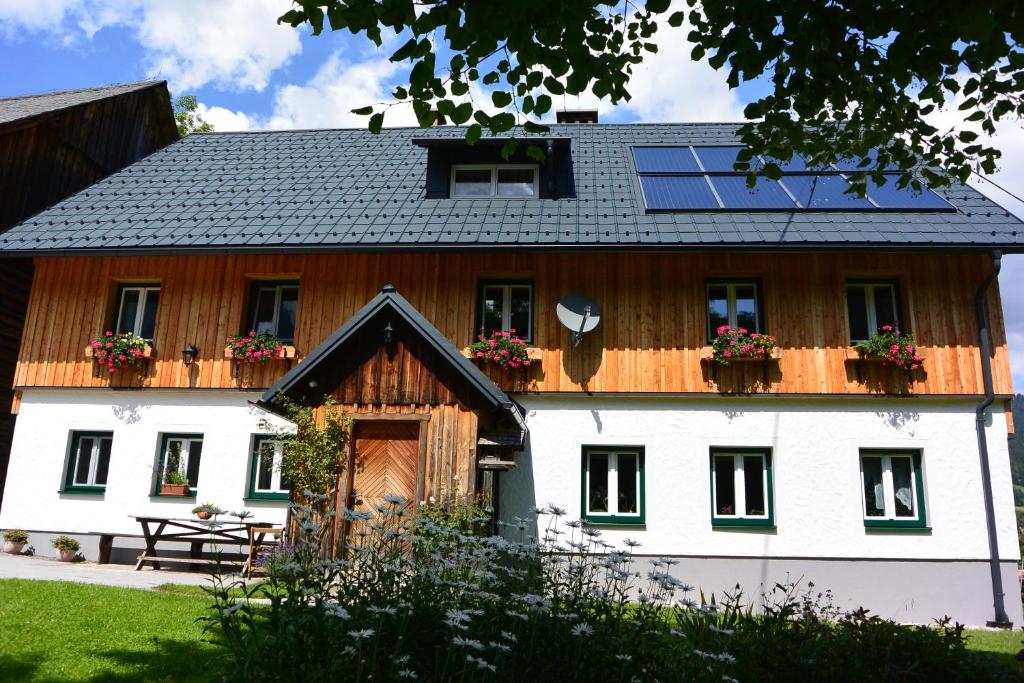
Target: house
374, 261
51, 146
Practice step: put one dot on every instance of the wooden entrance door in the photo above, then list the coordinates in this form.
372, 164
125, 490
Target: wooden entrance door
383, 460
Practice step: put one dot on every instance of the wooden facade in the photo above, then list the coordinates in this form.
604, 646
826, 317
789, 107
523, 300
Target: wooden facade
49, 156
649, 339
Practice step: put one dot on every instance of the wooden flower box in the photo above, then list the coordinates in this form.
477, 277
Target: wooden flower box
859, 358
532, 352
146, 352
707, 352
286, 353
174, 489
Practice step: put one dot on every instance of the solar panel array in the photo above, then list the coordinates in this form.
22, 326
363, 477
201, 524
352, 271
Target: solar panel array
702, 178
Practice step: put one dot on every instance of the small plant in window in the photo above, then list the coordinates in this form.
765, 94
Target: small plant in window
894, 347
119, 350
255, 347
502, 348
739, 344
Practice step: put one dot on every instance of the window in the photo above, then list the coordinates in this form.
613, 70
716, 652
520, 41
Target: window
871, 305
88, 462
613, 484
266, 481
893, 488
180, 453
741, 487
272, 308
733, 303
136, 309
495, 181
507, 306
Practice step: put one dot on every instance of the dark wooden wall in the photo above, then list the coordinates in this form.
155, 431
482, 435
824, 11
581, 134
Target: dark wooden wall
48, 157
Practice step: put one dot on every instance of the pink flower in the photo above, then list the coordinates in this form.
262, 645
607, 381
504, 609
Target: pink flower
504, 352
708, 358
727, 354
909, 348
110, 345
526, 361
755, 336
110, 368
723, 329
887, 328
742, 330
479, 354
895, 348
914, 366
109, 333
96, 345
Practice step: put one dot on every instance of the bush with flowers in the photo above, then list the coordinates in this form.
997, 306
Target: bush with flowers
502, 348
116, 351
738, 344
894, 347
254, 347
419, 597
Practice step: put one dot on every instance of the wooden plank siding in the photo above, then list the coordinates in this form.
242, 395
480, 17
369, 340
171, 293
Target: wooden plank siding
648, 341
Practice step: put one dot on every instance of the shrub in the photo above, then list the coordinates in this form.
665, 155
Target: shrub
894, 347
733, 344
16, 536
502, 348
117, 351
255, 347
417, 598
66, 544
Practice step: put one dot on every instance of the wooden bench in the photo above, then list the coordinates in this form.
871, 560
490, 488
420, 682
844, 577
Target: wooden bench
107, 543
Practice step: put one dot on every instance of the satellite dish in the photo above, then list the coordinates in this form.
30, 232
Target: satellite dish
579, 313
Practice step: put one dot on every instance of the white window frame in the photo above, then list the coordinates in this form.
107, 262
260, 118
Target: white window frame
613, 483
730, 301
506, 305
93, 460
740, 483
186, 452
140, 307
888, 490
261, 287
275, 472
494, 168
869, 302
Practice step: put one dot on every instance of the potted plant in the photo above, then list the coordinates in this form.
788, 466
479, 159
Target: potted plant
736, 344
206, 510
14, 541
503, 348
892, 347
255, 347
120, 350
67, 547
174, 484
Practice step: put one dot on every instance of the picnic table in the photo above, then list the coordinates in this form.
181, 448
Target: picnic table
196, 532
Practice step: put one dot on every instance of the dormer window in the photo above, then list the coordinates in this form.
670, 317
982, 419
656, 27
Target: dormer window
503, 180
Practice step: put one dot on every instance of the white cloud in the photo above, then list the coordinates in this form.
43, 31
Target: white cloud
234, 44
224, 120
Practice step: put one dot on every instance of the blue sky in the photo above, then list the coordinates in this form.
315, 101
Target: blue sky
250, 72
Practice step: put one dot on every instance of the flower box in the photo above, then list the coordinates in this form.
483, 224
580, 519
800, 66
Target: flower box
147, 352
532, 352
286, 353
706, 353
174, 489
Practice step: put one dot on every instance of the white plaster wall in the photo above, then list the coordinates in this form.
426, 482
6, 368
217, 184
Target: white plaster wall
815, 448
137, 419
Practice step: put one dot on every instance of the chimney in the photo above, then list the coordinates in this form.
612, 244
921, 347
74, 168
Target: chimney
576, 116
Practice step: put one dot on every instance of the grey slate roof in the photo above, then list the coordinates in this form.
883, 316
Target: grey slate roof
27, 106
341, 190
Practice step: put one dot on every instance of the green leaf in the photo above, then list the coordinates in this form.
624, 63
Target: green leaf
554, 86
658, 6
363, 111
533, 127
376, 122
473, 134
502, 122
501, 99
676, 19
462, 113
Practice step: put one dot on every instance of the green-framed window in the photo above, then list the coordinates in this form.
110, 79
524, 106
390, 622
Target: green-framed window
506, 305
742, 492
613, 484
893, 489
182, 453
266, 480
88, 462
273, 308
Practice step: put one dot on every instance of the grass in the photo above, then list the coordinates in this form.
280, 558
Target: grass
263, 591
59, 631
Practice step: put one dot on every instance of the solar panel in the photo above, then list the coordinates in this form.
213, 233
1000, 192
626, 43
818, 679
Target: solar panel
719, 158
888, 196
677, 192
665, 160
823, 192
766, 194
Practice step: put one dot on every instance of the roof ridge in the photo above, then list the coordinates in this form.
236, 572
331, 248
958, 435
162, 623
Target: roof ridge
574, 126
98, 88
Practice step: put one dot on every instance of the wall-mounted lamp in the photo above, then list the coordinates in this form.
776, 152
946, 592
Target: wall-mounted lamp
188, 354
389, 335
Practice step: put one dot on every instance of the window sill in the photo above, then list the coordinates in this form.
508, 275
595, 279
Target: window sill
268, 497
83, 490
731, 523
612, 520
898, 525
169, 496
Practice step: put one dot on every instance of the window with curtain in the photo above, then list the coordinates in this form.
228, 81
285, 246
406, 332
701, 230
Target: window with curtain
613, 485
266, 480
736, 304
892, 483
506, 306
136, 310
272, 308
870, 305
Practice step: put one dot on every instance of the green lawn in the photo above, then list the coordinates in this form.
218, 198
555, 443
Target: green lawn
57, 631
